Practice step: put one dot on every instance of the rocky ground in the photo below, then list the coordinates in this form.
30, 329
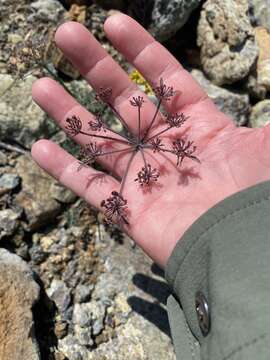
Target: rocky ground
70, 286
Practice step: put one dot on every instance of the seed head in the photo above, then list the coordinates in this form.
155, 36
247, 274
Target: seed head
163, 92
147, 175
115, 208
97, 124
176, 120
156, 144
74, 126
104, 94
137, 101
183, 149
89, 154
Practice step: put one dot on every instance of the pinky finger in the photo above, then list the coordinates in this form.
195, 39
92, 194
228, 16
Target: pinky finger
88, 183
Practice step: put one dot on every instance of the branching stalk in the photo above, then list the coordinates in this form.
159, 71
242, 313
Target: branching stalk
153, 120
105, 137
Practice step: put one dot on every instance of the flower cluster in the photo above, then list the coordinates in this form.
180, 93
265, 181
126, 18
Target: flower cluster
115, 206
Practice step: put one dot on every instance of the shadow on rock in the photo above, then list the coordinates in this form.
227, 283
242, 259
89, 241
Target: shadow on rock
154, 311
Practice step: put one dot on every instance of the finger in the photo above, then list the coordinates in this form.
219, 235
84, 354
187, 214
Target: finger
60, 105
100, 70
152, 59
90, 184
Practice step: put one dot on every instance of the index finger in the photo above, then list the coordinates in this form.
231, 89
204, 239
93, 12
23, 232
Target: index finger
152, 59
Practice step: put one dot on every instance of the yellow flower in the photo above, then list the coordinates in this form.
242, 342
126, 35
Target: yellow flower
138, 79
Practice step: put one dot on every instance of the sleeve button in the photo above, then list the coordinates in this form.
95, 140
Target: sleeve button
203, 314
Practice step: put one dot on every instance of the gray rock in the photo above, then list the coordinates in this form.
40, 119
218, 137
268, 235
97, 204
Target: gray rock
261, 12
72, 349
117, 329
260, 114
8, 222
46, 11
39, 208
20, 119
37, 254
8, 182
231, 103
226, 39
18, 294
90, 314
84, 336
81, 315
83, 293
263, 65
62, 194
137, 339
169, 16
60, 294
3, 159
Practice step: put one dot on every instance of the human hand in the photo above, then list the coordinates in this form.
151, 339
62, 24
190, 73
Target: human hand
231, 158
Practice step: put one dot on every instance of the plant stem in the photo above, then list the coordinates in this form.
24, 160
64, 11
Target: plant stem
153, 120
116, 133
159, 133
105, 137
139, 122
117, 114
13, 148
115, 151
58, 79
126, 172
144, 160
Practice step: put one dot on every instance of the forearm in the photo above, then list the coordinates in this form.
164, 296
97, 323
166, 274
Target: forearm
226, 256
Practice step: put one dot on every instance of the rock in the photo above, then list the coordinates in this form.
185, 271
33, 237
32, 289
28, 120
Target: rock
3, 159
14, 38
50, 11
260, 114
91, 314
62, 194
20, 119
226, 39
81, 315
138, 340
18, 294
83, 293
77, 13
261, 12
168, 16
111, 4
262, 37
84, 335
8, 182
72, 349
253, 88
116, 329
37, 254
60, 294
61, 329
231, 103
8, 222
78, 2
39, 208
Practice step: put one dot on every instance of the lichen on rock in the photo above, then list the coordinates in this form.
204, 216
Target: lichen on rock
226, 39
168, 16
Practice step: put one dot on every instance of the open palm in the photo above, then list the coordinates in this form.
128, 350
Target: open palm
231, 158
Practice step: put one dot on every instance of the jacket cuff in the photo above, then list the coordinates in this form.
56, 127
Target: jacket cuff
225, 255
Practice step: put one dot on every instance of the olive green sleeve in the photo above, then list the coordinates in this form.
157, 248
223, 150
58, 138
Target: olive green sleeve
224, 256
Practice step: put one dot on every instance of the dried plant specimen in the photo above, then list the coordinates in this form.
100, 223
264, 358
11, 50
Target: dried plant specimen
116, 206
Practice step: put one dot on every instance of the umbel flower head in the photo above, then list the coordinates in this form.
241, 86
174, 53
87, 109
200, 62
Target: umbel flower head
116, 206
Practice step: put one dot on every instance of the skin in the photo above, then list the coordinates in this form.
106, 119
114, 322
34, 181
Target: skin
232, 159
